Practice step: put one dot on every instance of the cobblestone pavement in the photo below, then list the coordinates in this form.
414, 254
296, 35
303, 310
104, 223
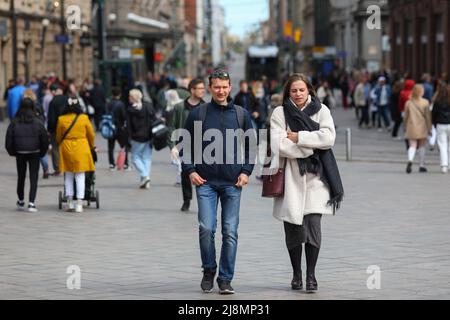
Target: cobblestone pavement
140, 246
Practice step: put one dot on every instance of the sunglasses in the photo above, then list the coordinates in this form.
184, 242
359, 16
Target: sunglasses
219, 74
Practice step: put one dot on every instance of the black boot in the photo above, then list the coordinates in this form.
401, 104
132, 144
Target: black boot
186, 205
296, 261
312, 254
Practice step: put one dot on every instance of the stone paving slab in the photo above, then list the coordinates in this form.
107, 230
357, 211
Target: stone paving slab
140, 246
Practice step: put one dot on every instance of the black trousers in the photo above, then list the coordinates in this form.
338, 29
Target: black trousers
364, 115
186, 185
33, 161
111, 145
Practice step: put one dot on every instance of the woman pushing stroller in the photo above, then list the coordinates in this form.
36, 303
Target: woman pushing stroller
75, 136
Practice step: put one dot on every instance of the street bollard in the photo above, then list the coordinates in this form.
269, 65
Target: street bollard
348, 134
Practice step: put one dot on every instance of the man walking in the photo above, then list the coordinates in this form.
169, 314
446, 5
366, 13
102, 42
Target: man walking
55, 109
181, 111
218, 179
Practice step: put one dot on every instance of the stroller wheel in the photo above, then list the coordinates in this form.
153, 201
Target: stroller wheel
97, 196
60, 200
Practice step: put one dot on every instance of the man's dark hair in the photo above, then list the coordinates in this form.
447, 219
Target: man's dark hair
221, 74
242, 82
195, 82
115, 91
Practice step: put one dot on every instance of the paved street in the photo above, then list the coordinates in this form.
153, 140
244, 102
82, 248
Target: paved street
140, 246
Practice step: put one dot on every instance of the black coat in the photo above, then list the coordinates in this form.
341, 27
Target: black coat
250, 104
26, 136
55, 109
139, 122
98, 98
441, 113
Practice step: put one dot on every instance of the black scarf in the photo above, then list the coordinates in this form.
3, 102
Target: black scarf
322, 162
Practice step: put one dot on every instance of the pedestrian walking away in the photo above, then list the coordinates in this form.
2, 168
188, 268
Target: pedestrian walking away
27, 140
417, 121
441, 119
75, 135
219, 181
303, 131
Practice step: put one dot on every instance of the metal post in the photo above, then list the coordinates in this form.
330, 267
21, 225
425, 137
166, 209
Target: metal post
348, 134
63, 45
14, 40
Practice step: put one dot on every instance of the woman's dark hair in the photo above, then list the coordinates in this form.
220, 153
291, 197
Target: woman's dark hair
27, 111
298, 77
442, 94
72, 106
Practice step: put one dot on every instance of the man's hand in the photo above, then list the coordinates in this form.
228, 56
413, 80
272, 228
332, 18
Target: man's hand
174, 153
242, 180
196, 179
293, 136
255, 115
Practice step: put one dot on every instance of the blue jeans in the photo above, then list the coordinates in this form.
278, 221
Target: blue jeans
230, 198
383, 113
44, 163
141, 155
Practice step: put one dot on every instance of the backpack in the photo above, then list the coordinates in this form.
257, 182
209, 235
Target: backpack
108, 129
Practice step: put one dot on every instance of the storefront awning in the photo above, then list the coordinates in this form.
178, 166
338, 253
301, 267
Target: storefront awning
147, 21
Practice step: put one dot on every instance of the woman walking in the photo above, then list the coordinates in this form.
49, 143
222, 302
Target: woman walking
417, 121
75, 136
302, 134
140, 116
441, 119
27, 140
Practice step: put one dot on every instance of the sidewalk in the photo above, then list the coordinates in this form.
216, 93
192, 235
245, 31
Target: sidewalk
140, 246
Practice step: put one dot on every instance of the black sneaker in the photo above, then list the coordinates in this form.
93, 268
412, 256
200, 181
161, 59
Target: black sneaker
225, 287
186, 205
311, 283
423, 169
32, 207
207, 283
409, 167
20, 205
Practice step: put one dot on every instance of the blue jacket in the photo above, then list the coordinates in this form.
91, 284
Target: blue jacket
14, 97
220, 118
378, 94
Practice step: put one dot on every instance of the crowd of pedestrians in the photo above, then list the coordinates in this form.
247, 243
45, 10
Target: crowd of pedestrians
49, 116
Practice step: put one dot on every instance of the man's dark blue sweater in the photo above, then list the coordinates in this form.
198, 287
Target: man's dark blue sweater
220, 118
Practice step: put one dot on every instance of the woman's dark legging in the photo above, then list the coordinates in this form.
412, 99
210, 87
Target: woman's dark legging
397, 125
312, 254
22, 160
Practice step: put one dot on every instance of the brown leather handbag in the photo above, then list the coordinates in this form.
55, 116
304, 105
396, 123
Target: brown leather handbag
273, 185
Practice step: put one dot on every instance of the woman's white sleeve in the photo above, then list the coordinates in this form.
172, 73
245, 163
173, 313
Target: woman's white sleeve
280, 144
323, 138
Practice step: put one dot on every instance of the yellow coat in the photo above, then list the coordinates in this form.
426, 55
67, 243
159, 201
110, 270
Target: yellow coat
75, 151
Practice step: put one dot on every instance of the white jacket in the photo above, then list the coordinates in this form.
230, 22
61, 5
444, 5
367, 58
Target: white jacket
302, 194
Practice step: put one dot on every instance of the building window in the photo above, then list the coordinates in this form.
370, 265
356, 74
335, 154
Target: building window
408, 41
423, 45
439, 47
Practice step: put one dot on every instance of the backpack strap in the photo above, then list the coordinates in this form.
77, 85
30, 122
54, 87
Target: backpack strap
240, 116
202, 112
70, 128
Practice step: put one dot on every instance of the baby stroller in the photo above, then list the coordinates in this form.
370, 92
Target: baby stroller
90, 194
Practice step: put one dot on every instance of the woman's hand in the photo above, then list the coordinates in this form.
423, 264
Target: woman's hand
293, 136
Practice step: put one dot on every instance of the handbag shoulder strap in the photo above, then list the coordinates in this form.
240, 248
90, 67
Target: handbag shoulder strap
70, 128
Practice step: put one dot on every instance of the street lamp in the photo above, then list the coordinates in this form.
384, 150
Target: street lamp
45, 24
